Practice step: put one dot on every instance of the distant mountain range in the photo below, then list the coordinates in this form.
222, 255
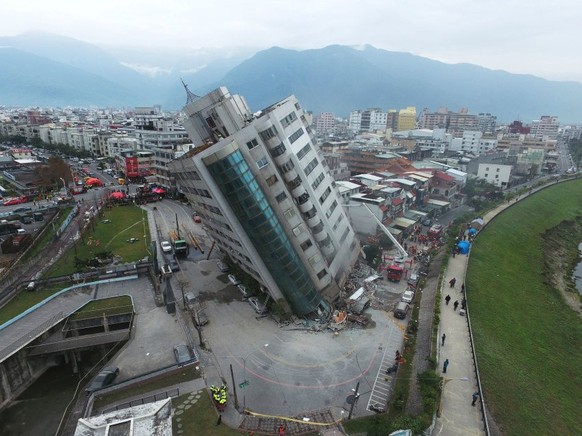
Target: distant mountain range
38, 69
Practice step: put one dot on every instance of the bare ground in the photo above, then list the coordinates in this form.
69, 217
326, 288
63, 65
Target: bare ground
561, 244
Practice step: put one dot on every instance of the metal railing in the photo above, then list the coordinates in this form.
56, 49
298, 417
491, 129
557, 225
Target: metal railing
172, 393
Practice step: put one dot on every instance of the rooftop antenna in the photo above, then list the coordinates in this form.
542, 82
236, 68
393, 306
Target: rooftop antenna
190, 96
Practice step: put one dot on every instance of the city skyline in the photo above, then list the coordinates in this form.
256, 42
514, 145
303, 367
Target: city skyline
534, 38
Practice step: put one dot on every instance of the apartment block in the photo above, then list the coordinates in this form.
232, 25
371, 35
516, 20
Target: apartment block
265, 194
324, 122
369, 120
434, 120
163, 136
407, 119
473, 142
546, 127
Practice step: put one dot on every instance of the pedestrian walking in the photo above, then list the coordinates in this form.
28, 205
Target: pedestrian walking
443, 337
447, 299
455, 304
219, 420
463, 288
476, 396
464, 304
452, 282
445, 365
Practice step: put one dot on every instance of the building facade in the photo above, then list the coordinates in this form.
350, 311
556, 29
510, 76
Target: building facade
324, 122
263, 189
369, 120
164, 137
407, 119
546, 127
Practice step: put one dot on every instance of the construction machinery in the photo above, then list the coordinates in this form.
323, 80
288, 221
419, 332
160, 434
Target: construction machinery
403, 254
181, 247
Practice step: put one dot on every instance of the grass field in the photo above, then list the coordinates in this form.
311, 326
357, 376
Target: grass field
24, 301
200, 418
529, 342
109, 306
109, 232
188, 373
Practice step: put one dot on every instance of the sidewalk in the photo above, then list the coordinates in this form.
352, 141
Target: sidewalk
457, 415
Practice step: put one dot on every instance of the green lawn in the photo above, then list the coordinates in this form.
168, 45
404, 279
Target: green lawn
110, 232
188, 373
24, 301
111, 306
200, 418
529, 342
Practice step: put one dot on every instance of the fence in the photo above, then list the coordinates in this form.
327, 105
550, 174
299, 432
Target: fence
173, 393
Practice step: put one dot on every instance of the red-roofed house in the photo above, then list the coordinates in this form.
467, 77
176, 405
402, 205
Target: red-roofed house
443, 187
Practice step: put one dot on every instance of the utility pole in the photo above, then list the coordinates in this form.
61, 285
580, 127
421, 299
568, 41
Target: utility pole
234, 388
355, 401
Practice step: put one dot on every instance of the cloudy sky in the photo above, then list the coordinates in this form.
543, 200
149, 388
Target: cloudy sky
533, 37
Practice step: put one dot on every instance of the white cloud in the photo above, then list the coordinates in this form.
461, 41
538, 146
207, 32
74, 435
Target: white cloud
537, 37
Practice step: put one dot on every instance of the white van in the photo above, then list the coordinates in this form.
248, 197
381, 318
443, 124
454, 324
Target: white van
20, 231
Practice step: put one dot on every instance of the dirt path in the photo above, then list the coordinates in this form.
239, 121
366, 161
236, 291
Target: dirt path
424, 342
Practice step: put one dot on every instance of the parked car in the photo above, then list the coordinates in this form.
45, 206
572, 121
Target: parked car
199, 317
26, 219
427, 222
401, 310
16, 200
222, 267
190, 300
166, 246
413, 280
233, 279
244, 291
408, 296
183, 354
258, 307
103, 379
174, 265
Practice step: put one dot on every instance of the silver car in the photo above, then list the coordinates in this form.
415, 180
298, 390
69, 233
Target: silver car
258, 307
166, 246
184, 354
232, 278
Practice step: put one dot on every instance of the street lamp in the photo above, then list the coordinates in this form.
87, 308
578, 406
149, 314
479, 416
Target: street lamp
445, 381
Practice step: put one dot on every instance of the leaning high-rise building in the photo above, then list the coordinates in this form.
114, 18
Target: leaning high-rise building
264, 191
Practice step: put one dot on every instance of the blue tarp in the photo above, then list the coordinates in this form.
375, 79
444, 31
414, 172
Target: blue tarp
472, 231
464, 247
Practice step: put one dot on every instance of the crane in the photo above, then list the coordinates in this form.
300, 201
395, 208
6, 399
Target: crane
403, 253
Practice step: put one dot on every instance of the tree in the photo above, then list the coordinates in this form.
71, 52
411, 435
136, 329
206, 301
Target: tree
52, 173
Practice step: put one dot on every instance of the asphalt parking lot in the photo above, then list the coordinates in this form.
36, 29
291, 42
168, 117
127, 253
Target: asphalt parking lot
277, 370
291, 369
288, 369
